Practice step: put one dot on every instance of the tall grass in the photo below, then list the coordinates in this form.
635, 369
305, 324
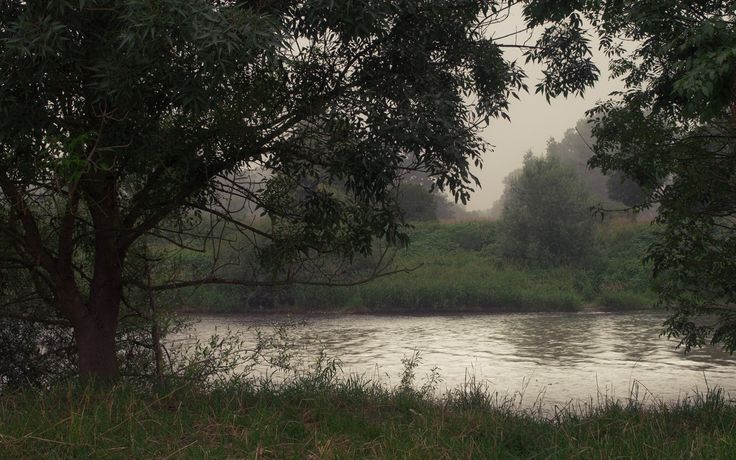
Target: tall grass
448, 288
459, 269
328, 417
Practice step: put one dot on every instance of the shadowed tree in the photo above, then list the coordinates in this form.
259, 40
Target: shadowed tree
673, 132
625, 190
127, 119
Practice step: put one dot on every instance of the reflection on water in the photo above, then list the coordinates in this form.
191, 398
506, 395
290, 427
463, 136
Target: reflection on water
563, 355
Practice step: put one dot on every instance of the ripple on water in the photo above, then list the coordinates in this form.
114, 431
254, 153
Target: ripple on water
564, 355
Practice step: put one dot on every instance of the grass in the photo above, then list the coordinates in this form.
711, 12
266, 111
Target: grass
350, 418
460, 271
474, 286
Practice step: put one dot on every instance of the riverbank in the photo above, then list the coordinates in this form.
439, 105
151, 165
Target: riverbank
307, 312
458, 269
321, 418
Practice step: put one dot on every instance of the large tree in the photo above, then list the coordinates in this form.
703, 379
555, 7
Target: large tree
673, 131
126, 119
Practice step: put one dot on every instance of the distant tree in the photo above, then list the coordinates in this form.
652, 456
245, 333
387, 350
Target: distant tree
417, 203
122, 120
419, 199
420, 203
546, 217
625, 190
574, 149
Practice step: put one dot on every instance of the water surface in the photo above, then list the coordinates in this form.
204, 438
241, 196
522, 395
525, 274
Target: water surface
560, 356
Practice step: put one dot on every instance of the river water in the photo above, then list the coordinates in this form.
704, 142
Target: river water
556, 356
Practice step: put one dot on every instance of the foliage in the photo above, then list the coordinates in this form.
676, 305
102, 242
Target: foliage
128, 119
417, 203
34, 354
673, 132
625, 190
694, 255
574, 150
36, 345
546, 218
608, 190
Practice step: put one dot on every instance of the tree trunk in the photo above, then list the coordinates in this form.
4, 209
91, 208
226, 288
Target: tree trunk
95, 331
733, 100
94, 325
97, 349
158, 356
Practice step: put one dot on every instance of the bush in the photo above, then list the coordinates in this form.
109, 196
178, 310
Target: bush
546, 218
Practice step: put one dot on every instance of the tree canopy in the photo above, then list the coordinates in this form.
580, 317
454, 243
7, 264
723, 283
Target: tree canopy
610, 190
127, 119
673, 132
575, 149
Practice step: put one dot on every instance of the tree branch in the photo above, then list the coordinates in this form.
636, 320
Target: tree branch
277, 283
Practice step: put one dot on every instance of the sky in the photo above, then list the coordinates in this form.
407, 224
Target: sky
533, 122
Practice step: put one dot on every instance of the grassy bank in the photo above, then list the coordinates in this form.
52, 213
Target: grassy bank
350, 419
459, 268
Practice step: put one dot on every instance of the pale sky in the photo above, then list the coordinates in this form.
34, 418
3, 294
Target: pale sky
533, 122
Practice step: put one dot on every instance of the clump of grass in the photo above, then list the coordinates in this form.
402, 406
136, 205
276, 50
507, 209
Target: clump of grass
626, 300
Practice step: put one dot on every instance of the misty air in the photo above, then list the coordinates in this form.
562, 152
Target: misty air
352, 229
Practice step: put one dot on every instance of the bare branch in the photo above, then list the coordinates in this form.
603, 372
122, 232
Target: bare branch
276, 283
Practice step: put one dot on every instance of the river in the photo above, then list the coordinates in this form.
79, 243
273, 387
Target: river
556, 356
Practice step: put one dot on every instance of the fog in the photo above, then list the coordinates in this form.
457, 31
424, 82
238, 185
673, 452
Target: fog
533, 120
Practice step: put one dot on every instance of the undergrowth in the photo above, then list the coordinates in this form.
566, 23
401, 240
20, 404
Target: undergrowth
325, 415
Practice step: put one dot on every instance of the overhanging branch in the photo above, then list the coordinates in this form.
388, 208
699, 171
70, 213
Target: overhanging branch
274, 283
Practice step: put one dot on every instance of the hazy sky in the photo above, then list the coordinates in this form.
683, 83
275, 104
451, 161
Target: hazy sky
533, 122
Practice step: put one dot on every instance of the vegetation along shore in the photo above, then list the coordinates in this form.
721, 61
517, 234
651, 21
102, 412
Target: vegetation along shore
458, 267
